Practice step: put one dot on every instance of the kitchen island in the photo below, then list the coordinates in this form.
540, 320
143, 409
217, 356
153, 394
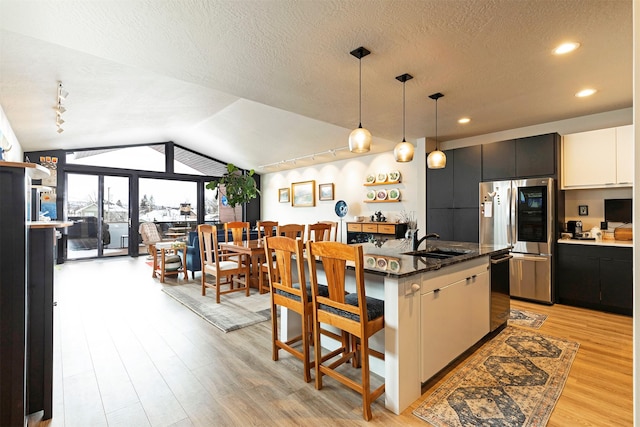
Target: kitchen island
437, 305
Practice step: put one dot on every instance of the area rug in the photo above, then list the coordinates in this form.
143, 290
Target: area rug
235, 310
526, 318
514, 379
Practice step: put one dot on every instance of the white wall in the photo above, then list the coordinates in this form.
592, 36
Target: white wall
348, 177
15, 154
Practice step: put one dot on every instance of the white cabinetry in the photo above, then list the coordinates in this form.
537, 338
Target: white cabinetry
600, 158
454, 313
624, 155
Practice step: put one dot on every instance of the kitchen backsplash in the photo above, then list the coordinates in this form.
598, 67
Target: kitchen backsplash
594, 200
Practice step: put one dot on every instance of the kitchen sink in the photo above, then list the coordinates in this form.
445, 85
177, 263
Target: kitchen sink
439, 253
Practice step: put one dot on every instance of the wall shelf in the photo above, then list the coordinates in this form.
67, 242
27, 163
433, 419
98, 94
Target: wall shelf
373, 184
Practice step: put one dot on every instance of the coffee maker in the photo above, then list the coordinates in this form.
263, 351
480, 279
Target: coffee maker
575, 228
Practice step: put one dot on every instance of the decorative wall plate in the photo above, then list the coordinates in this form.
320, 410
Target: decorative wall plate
394, 265
394, 176
381, 195
381, 177
370, 261
394, 194
382, 263
371, 178
371, 195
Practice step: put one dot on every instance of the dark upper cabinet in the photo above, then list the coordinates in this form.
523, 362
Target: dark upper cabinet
466, 223
467, 174
536, 155
499, 160
440, 185
440, 221
452, 195
521, 158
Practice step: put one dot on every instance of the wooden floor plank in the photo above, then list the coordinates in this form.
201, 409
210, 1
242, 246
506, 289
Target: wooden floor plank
170, 367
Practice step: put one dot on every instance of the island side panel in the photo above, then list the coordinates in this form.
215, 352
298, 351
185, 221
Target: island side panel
402, 338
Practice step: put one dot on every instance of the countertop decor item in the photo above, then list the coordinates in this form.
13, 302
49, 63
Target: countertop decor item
436, 159
403, 151
360, 138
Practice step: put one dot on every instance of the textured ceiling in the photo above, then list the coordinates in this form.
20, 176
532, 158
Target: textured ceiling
258, 82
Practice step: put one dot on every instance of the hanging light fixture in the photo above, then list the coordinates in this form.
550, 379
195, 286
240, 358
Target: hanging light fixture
403, 152
59, 108
436, 159
360, 138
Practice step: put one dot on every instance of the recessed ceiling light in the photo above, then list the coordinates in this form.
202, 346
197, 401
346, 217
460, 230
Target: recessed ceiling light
585, 92
566, 48
464, 120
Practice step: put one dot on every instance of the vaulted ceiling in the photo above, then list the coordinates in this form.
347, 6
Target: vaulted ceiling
260, 81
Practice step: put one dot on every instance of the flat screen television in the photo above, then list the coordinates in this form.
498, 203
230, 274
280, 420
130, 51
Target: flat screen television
617, 210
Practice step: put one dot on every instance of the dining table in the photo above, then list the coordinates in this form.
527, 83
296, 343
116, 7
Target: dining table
254, 248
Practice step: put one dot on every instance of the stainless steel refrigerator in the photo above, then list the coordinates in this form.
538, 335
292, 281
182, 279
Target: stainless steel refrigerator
520, 213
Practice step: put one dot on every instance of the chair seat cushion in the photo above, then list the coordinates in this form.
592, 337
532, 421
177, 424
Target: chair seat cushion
322, 290
375, 308
224, 265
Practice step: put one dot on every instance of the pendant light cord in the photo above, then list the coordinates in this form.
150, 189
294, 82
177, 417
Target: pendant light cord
404, 104
436, 124
360, 95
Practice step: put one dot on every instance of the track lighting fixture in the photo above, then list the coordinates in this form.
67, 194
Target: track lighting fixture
436, 159
332, 152
360, 138
403, 152
59, 108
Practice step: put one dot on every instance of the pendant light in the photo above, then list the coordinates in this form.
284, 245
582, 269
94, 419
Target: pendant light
436, 159
360, 138
403, 152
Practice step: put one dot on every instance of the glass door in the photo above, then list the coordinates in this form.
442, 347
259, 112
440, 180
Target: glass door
99, 207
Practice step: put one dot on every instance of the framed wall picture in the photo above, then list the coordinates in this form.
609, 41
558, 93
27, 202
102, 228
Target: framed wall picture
283, 195
325, 191
303, 193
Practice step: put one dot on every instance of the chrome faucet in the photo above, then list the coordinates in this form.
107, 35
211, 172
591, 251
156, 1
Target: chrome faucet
416, 241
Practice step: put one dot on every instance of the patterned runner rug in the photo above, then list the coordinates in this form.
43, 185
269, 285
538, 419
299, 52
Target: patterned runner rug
235, 310
526, 318
513, 380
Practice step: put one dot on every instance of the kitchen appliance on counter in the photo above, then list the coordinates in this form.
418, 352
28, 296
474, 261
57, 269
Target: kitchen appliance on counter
520, 213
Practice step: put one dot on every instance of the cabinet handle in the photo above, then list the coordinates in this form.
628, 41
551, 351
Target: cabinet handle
435, 291
415, 287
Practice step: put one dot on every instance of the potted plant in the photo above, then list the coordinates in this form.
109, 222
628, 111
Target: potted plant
237, 187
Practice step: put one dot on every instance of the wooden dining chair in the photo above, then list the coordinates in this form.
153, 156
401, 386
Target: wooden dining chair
358, 317
239, 231
333, 234
225, 269
318, 232
265, 229
293, 231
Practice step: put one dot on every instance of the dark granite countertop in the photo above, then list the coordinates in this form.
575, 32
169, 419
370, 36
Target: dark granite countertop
391, 258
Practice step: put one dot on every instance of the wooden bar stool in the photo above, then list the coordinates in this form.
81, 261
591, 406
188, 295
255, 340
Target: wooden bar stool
355, 314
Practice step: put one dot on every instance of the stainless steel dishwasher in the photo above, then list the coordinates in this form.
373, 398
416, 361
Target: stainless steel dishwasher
500, 298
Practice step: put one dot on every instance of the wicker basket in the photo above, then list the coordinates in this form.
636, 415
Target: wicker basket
623, 233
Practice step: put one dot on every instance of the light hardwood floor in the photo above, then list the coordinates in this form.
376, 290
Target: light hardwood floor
126, 354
